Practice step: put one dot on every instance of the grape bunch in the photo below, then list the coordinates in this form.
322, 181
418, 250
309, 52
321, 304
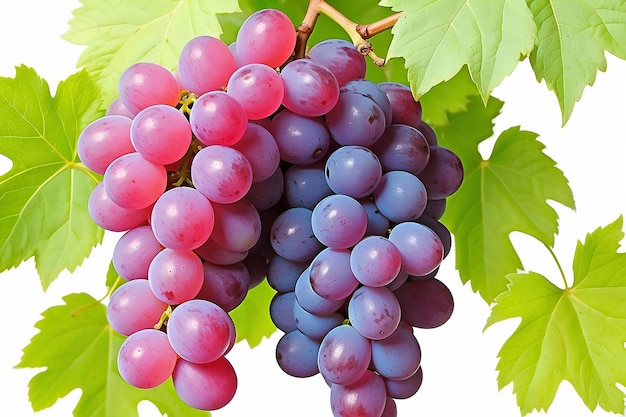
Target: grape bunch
245, 164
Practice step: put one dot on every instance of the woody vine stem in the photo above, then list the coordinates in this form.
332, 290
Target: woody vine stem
359, 34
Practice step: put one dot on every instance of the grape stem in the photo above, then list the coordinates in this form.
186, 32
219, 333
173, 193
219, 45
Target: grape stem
359, 34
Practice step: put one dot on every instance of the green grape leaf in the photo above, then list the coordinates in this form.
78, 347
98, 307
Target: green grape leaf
119, 33
506, 192
448, 97
43, 197
573, 35
79, 349
252, 317
437, 38
575, 334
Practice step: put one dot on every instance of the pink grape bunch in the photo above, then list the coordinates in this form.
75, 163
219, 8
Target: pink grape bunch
245, 165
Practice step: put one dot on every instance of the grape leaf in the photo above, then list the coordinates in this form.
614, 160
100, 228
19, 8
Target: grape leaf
575, 334
43, 198
573, 35
438, 37
499, 195
252, 318
79, 349
448, 97
119, 33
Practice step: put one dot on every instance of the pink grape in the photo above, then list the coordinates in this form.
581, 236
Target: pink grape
266, 37
146, 359
205, 64
199, 331
145, 84
311, 89
161, 134
258, 88
133, 182
134, 307
237, 225
108, 215
175, 276
117, 108
260, 149
217, 118
103, 141
210, 251
134, 251
221, 173
208, 386
182, 218
341, 58
224, 285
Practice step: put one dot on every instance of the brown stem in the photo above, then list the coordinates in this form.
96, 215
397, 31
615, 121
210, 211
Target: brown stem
357, 33
374, 28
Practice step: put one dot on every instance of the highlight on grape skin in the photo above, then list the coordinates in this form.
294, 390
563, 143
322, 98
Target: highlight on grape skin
249, 165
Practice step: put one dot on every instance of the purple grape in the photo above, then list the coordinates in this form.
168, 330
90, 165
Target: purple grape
426, 303
374, 312
344, 355
296, 354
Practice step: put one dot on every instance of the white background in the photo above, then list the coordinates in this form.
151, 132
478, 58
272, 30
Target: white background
458, 359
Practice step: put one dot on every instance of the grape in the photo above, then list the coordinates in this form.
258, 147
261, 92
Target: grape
397, 282
103, 141
402, 148
292, 237
296, 354
282, 311
377, 224
210, 251
258, 88
266, 37
224, 285
237, 226
217, 118
373, 92
311, 89
375, 261
146, 359
133, 182
365, 397
405, 388
208, 386
256, 265
145, 84
134, 307
374, 312
344, 355
310, 300
282, 273
426, 303
108, 215
134, 251
182, 218
315, 326
405, 109
161, 134
197, 67
353, 170
435, 208
199, 331
440, 229
356, 120
420, 247
428, 132
444, 173
301, 140
267, 193
305, 185
221, 173
397, 356
331, 276
341, 58
396, 186
391, 409
339, 221
260, 149
175, 276
117, 108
